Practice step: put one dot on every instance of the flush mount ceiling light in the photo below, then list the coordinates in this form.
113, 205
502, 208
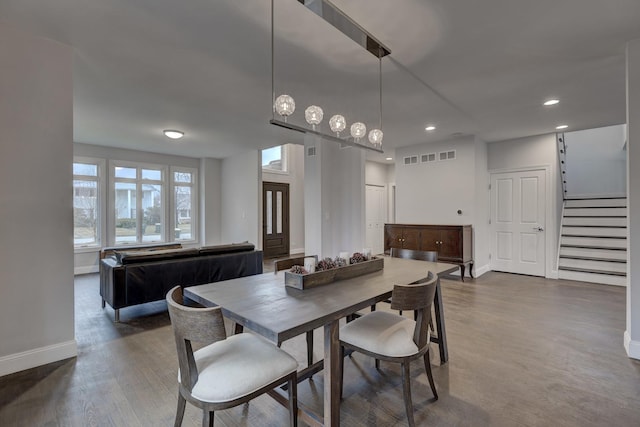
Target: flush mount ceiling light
551, 102
284, 105
562, 127
430, 128
173, 134
389, 158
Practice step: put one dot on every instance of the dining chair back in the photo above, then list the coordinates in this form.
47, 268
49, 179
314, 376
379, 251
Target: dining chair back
393, 338
226, 371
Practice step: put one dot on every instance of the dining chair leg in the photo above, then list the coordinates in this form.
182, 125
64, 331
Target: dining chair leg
377, 363
309, 348
406, 391
292, 388
427, 367
207, 418
182, 403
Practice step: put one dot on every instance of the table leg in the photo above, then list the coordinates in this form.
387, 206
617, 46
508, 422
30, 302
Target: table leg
331, 372
442, 335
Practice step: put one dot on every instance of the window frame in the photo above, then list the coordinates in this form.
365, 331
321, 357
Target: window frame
284, 160
194, 202
100, 202
139, 182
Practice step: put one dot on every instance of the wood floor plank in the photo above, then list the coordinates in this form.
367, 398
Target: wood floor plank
524, 351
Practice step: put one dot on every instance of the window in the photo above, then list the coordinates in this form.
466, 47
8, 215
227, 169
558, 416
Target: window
184, 203
274, 159
139, 203
86, 202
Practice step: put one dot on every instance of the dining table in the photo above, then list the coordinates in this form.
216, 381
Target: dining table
263, 304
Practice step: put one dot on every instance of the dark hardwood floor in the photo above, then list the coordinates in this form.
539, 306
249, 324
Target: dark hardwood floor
523, 351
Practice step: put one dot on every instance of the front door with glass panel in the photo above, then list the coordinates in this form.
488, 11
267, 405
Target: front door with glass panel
275, 218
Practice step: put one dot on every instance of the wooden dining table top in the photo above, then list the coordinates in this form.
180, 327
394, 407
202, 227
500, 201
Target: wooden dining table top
265, 305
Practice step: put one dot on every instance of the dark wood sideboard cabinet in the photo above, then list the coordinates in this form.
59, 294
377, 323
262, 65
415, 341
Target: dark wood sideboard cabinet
452, 242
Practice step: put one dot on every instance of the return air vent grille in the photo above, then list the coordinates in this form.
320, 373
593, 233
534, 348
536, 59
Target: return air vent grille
411, 160
447, 155
425, 158
311, 151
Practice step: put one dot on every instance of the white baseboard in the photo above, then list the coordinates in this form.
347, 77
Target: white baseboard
553, 275
86, 269
37, 357
479, 271
632, 347
296, 251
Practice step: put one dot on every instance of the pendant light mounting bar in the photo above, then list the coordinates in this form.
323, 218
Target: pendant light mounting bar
334, 16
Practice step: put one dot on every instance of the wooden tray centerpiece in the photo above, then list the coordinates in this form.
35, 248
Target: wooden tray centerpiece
324, 277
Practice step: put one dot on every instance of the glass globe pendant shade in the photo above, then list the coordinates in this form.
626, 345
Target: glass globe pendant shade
358, 130
285, 106
375, 136
313, 115
337, 124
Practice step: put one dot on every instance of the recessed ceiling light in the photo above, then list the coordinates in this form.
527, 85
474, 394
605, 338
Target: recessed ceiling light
562, 127
430, 128
389, 158
551, 102
173, 134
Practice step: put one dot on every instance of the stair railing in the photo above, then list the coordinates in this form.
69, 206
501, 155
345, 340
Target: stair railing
562, 157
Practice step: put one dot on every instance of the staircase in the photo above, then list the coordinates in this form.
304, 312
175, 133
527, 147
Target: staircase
593, 242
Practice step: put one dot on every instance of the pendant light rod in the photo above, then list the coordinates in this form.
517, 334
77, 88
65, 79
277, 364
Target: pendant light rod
273, 87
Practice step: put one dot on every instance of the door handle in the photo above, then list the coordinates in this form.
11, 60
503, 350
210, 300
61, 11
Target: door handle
538, 228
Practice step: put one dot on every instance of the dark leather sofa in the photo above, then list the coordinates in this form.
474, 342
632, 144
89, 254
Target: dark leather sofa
136, 277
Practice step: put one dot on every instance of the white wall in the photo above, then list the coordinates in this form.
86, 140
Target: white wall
295, 178
531, 153
376, 174
334, 199
210, 201
482, 244
36, 217
241, 196
433, 192
87, 260
596, 162
632, 334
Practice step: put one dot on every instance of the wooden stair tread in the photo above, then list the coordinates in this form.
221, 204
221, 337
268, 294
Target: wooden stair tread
587, 258
586, 270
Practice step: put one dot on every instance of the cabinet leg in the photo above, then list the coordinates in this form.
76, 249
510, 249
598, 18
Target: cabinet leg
471, 270
462, 268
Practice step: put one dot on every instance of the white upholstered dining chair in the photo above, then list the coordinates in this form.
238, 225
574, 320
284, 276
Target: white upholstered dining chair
227, 371
394, 338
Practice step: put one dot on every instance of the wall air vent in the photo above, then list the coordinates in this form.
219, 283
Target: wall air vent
425, 158
411, 160
447, 155
311, 151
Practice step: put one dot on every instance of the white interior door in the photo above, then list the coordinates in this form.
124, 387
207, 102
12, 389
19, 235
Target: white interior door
518, 222
375, 218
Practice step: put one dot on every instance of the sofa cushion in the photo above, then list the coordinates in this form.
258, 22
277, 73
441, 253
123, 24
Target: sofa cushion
125, 257
227, 249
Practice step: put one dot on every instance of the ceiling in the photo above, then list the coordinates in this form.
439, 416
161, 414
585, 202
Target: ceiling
204, 67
